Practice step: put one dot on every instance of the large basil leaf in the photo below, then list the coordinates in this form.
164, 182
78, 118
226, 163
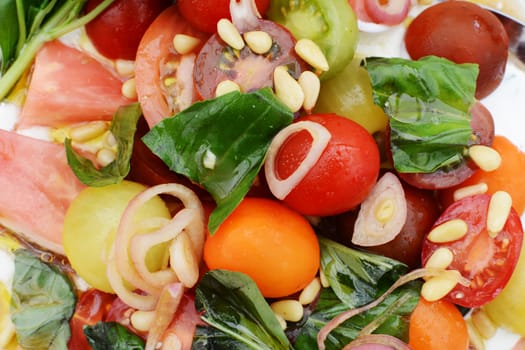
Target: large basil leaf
112, 336
356, 277
8, 33
43, 301
233, 130
123, 127
427, 102
237, 315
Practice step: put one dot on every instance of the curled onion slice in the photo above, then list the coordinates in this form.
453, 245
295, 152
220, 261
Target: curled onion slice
377, 342
383, 213
183, 260
245, 15
321, 136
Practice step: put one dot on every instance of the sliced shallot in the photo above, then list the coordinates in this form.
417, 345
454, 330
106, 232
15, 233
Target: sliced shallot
245, 15
377, 342
382, 214
320, 137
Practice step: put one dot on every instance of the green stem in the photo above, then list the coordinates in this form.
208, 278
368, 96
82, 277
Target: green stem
22, 33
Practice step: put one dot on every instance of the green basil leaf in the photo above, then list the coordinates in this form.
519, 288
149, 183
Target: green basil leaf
112, 336
427, 102
123, 127
237, 315
357, 277
8, 33
43, 301
235, 130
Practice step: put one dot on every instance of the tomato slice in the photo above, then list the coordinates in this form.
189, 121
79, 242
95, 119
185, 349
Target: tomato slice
486, 262
68, 86
157, 60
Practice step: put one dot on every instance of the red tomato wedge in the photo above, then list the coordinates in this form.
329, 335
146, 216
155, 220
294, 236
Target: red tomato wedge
68, 86
37, 188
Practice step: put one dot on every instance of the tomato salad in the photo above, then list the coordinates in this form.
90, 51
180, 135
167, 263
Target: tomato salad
208, 174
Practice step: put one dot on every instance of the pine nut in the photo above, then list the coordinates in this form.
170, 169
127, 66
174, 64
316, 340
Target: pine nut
448, 231
466, 191
281, 320
110, 141
325, 283
105, 156
476, 342
499, 209
129, 89
184, 44
440, 259
258, 41
225, 87
311, 86
88, 131
142, 320
229, 34
437, 287
125, 68
171, 342
309, 293
487, 158
183, 259
483, 323
312, 54
287, 89
290, 310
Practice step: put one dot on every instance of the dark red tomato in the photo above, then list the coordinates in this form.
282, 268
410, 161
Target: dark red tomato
344, 174
204, 14
462, 32
92, 307
218, 62
117, 31
157, 61
486, 262
482, 125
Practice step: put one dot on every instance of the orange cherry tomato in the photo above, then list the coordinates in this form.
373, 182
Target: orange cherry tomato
272, 244
436, 326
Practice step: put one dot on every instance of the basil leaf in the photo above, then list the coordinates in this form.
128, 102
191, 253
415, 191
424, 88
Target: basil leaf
237, 314
112, 336
123, 127
8, 33
356, 277
427, 102
234, 130
43, 301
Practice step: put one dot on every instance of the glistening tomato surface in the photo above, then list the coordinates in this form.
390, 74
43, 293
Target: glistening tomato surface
272, 244
341, 178
463, 32
487, 262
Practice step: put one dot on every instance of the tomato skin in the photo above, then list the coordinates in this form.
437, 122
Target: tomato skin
344, 174
483, 39
204, 14
117, 31
486, 262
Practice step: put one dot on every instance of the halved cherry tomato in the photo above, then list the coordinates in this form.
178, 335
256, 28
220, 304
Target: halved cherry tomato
157, 61
341, 178
218, 62
482, 39
204, 14
487, 262
92, 307
117, 31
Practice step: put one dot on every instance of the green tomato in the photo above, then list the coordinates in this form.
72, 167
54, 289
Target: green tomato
349, 94
90, 228
331, 24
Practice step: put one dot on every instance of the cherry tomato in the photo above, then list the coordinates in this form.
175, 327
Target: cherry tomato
462, 32
117, 31
204, 14
272, 244
157, 62
341, 178
92, 307
437, 325
487, 262
389, 12
218, 62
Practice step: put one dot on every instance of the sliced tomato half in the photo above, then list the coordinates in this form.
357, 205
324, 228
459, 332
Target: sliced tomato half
68, 86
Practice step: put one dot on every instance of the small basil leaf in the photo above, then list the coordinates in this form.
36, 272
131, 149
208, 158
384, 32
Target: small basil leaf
9, 33
427, 102
237, 315
221, 144
123, 127
112, 336
43, 301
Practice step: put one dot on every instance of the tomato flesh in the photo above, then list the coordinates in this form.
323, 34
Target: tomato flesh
486, 262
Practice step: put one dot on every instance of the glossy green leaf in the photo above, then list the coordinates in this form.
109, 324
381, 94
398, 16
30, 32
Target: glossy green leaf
112, 336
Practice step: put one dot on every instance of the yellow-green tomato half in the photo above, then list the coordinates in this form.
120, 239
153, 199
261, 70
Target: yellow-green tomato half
90, 228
